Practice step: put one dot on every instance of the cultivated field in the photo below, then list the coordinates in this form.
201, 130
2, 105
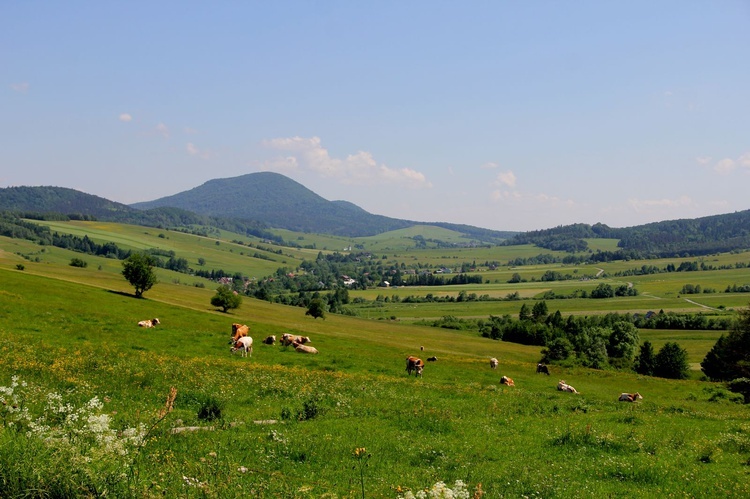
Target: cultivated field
283, 424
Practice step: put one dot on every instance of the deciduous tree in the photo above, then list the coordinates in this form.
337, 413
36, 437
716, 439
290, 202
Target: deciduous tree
138, 269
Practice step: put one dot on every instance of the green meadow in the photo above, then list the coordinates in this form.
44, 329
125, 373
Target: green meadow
96, 406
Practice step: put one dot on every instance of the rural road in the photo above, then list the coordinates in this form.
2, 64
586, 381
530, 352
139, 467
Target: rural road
700, 304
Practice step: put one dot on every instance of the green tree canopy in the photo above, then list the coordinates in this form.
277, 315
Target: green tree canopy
225, 298
138, 269
671, 362
316, 308
730, 356
646, 360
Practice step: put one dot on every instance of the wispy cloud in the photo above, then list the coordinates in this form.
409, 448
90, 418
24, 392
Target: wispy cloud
163, 130
20, 87
193, 150
361, 168
506, 178
489, 166
125, 117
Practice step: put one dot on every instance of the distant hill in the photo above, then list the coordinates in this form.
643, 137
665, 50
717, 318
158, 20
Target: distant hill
48, 202
279, 201
698, 236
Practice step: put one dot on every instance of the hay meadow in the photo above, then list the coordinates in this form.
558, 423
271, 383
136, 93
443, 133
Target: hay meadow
95, 406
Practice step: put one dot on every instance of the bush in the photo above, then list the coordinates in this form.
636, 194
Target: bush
77, 262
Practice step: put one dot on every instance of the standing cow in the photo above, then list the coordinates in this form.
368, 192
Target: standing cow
493, 363
415, 365
541, 368
245, 344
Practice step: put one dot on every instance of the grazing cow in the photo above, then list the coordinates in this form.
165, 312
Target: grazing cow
493, 363
415, 365
238, 331
541, 368
505, 380
432, 359
270, 340
630, 397
149, 323
564, 387
288, 339
304, 348
245, 343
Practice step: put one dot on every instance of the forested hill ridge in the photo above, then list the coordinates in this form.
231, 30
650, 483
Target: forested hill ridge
279, 201
251, 205
698, 236
61, 203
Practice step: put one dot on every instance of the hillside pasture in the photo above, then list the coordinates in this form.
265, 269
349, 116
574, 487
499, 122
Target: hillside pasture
290, 424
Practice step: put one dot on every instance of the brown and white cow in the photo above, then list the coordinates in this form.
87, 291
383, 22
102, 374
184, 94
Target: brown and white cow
287, 339
238, 331
415, 365
245, 343
149, 323
493, 363
505, 380
630, 397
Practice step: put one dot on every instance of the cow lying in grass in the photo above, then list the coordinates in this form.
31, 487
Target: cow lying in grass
245, 344
505, 380
304, 348
414, 365
630, 397
270, 340
149, 323
564, 387
288, 339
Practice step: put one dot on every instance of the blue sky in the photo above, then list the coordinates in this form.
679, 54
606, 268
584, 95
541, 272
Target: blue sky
503, 115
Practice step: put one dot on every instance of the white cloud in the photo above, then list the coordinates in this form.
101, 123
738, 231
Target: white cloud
506, 178
356, 169
193, 150
163, 130
125, 117
727, 165
20, 87
489, 165
704, 160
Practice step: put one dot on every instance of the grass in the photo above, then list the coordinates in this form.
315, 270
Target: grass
282, 424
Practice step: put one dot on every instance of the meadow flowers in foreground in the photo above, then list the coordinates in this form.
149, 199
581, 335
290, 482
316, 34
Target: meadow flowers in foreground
441, 491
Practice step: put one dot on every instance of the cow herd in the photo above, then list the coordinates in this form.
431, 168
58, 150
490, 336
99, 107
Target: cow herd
416, 365
242, 342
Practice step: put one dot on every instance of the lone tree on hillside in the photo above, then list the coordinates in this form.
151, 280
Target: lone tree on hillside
316, 309
138, 269
225, 298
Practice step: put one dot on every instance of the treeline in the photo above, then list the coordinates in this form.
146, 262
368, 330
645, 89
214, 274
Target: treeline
598, 342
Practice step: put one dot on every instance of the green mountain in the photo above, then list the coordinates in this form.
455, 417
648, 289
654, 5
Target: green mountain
279, 201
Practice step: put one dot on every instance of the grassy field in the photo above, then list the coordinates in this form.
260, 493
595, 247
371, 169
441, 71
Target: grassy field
283, 424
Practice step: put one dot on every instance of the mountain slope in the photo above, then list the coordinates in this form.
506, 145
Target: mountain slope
281, 202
